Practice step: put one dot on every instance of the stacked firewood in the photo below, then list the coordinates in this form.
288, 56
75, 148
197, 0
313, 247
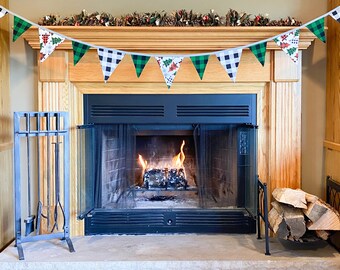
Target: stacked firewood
296, 213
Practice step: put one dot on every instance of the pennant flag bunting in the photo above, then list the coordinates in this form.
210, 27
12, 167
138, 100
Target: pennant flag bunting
3, 12
336, 14
19, 27
318, 29
230, 60
259, 50
200, 63
169, 67
289, 43
48, 42
109, 60
79, 49
139, 61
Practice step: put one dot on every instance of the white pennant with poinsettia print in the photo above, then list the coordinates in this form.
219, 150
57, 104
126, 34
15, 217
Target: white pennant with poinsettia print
169, 67
230, 60
109, 60
48, 42
289, 43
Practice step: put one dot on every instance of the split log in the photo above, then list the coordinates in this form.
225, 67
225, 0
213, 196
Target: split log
278, 224
315, 210
294, 221
322, 234
329, 221
294, 197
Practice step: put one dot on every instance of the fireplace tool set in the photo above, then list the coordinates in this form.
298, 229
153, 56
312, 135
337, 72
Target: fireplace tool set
44, 157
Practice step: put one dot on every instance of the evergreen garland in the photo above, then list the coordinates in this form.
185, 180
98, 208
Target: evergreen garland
177, 18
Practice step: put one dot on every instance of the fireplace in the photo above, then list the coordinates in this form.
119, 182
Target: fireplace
167, 163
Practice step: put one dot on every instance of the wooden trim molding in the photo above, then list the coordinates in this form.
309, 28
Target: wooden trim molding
332, 145
170, 39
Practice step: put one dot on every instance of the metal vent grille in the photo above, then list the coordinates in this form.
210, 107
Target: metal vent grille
221, 219
126, 110
110, 219
213, 111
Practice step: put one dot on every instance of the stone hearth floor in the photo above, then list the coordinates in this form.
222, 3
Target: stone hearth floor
187, 251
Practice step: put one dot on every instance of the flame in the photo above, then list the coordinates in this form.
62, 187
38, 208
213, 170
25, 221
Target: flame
142, 162
178, 160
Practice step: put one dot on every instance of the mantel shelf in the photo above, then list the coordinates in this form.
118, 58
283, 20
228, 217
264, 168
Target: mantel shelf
169, 39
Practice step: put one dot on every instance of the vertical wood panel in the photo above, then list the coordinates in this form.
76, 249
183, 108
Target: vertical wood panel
5, 109
6, 145
285, 152
333, 78
332, 153
6, 199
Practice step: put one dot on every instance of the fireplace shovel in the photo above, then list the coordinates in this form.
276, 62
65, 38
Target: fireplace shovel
29, 221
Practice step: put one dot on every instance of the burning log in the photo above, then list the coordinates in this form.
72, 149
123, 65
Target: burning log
174, 178
164, 178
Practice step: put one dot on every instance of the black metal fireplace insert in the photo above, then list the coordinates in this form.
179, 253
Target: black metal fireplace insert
168, 164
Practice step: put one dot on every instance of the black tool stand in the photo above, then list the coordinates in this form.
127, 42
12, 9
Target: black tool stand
40, 164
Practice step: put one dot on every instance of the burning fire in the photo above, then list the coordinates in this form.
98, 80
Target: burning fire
142, 162
177, 161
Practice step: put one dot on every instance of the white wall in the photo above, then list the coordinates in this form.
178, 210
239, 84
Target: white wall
23, 70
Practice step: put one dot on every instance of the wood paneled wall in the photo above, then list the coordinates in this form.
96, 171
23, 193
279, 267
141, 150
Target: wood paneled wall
332, 140
6, 142
277, 86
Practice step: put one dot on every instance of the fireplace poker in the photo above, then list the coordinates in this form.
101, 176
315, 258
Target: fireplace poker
40, 204
29, 221
57, 182
48, 171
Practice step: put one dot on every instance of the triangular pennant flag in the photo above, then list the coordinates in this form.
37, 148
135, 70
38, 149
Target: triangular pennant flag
48, 42
200, 63
169, 67
139, 61
109, 60
318, 29
79, 49
19, 27
230, 60
3, 12
259, 50
289, 43
336, 14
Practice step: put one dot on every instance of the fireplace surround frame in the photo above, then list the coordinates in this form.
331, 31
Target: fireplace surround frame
277, 85
170, 113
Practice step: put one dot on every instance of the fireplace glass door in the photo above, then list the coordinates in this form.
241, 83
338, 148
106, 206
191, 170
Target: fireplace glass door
127, 166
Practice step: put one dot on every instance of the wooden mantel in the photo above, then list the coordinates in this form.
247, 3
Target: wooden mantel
168, 38
61, 85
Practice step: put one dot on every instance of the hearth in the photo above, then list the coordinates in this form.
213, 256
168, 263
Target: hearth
168, 164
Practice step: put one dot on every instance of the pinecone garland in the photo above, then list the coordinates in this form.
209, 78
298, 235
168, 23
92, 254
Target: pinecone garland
180, 17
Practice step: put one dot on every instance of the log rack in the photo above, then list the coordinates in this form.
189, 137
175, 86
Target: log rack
262, 213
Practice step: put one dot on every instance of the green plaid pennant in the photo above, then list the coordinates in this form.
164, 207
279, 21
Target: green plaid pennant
200, 62
318, 29
139, 61
259, 50
19, 27
79, 49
